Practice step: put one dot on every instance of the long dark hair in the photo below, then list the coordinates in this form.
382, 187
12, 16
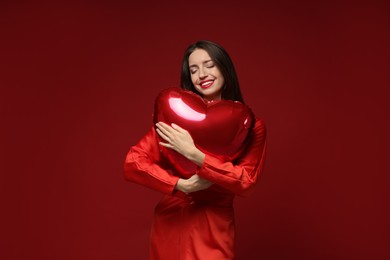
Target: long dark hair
231, 89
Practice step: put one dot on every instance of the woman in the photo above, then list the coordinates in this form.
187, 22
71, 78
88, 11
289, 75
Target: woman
195, 218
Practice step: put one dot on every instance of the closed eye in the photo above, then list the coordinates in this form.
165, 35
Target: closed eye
209, 64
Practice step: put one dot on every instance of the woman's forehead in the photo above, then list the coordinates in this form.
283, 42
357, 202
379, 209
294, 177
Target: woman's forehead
198, 56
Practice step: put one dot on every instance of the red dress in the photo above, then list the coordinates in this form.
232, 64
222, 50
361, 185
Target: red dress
199, 225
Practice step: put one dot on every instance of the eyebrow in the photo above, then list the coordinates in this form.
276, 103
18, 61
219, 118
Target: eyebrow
194, 65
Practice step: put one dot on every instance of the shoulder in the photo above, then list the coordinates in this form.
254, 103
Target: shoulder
258, 131
259, 125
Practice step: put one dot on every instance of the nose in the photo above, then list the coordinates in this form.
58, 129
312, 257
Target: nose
202, 73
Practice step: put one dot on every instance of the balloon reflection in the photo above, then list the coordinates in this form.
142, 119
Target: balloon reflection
185, 111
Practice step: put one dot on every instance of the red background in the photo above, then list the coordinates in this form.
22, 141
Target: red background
78, 83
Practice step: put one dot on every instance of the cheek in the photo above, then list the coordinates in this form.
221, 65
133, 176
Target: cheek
222, 81
193, 79
218, 73
221, 78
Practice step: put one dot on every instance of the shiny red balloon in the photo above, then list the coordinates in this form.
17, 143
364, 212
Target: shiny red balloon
218, 128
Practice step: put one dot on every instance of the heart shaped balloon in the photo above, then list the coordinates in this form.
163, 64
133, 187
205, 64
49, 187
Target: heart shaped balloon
219, 128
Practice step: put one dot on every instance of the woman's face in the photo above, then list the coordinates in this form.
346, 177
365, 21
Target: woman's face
205, 75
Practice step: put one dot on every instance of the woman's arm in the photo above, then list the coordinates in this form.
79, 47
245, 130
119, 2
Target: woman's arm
238, 176
142, 165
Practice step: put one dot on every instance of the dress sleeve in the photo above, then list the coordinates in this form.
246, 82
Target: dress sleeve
240, 175
143, 165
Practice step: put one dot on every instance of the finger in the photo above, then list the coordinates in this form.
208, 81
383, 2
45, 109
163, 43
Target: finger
194, 177
163, 129
162, 135
170, 128
178, 128
167, 129
168, 145
164, 125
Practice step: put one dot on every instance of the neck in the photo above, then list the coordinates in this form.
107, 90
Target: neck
212, 98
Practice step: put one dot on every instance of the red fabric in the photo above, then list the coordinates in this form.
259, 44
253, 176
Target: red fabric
199, 225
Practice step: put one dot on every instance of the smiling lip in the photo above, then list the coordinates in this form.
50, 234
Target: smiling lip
206, 83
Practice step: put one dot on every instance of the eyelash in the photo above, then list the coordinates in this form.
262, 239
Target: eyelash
209, 66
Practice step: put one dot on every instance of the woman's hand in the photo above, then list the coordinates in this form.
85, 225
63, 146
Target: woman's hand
195, 183
181, 141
